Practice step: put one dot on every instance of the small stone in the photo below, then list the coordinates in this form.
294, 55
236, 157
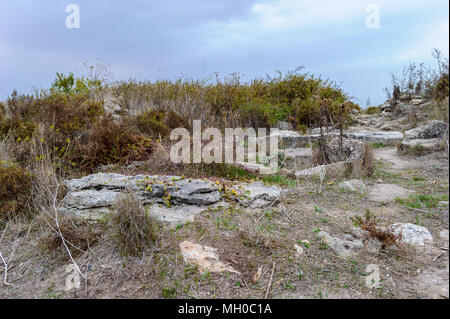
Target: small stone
298, 250
343, 248
354, 185
443, 292
204, 257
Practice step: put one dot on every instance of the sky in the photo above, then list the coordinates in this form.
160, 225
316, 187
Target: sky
336, 39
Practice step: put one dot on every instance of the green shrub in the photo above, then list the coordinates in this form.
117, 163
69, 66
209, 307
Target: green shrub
17, 128
151, 122
259, 113
2, 111
69, 85
372, 110
441, 89
292, 96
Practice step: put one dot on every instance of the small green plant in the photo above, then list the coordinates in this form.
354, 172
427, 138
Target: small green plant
378, 145
317, 209
305, 244
422, 201
168, 293
371, 110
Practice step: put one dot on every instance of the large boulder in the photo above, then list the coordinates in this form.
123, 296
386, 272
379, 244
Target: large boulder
420, 146
433, 129
169, 198
412, 234
352, 150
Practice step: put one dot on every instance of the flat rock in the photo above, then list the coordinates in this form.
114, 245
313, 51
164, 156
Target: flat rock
93, 195
257, 168
177, 215
257, 195
343, 248
417, 101
421, 146
298, 250
387, 192
444, 234
389, 138
292, 153
102, 189
338, 169
206, 258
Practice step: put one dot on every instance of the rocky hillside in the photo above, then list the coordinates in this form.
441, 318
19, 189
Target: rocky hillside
354, 211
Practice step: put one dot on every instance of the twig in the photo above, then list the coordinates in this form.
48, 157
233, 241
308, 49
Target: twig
5, 276
270, 281
277, 284
436, 258
7, 263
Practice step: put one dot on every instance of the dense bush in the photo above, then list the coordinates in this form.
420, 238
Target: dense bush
229, 102
107, 142
15, 189
67, 124
151, 123
71, 131
371, 110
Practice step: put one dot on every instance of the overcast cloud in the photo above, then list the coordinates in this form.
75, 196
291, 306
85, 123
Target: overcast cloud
163, 39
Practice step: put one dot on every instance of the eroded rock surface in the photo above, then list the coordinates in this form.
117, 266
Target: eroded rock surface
343, 248
433, 129
420, 146
170, 198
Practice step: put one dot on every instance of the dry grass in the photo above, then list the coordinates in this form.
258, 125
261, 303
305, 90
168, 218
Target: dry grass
384, 234
15, 190
134, 230
80, 235
368, 162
